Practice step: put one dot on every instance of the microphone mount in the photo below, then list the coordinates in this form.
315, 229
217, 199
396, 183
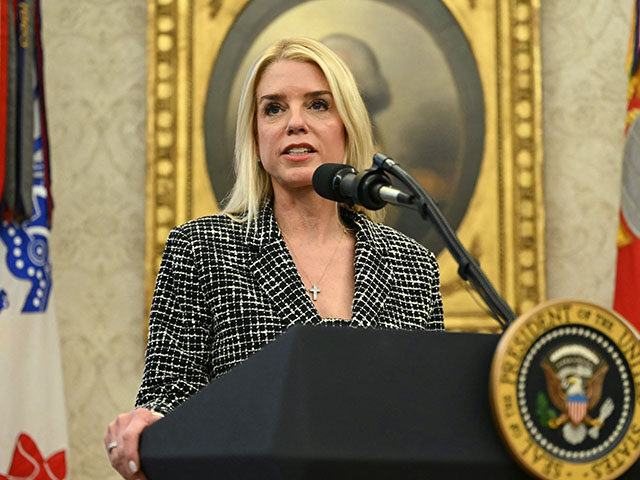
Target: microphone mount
363, 186
468, 267
370, 188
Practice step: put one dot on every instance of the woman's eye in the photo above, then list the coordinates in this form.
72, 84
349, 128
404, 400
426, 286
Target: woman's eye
272, 109
319, 105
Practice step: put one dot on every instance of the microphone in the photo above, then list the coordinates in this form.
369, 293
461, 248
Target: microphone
371, 188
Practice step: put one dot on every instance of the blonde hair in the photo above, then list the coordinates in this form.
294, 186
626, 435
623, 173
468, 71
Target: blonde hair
253, 185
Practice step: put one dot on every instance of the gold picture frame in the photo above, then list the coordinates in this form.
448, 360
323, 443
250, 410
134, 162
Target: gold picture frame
502, 223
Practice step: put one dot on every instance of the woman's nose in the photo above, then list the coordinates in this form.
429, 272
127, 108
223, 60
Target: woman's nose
297, 122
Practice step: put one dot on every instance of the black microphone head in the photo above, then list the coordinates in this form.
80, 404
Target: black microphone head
326, 180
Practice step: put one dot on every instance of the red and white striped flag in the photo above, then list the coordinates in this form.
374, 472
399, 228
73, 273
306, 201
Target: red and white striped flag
33, 427
627, 289
577, 408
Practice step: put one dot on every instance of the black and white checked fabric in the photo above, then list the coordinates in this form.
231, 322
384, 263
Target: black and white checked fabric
220, 296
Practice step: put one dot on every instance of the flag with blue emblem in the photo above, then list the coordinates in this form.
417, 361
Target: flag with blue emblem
33, 429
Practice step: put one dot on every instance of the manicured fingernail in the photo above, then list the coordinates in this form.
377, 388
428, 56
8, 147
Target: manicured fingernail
133, 467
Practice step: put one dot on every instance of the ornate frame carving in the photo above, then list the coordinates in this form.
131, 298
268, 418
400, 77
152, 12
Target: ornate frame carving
504, 223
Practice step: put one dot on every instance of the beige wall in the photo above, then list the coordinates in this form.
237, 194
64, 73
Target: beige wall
584, 104
95, 75
95, 85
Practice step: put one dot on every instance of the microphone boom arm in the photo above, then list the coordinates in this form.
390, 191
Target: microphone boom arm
468, 267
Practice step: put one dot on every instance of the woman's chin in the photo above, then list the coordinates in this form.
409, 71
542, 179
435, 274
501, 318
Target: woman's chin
294, 183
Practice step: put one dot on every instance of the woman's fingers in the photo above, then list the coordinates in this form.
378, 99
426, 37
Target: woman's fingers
131, 436
122, 438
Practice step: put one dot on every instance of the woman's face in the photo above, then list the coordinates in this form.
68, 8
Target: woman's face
298, 125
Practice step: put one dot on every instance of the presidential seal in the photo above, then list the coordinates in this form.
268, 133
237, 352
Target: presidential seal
565, 391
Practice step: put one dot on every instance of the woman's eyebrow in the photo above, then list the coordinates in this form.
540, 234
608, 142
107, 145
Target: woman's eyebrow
277, 97
272, 96
317, 93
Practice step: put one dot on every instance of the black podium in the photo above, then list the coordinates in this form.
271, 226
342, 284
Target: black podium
340, 403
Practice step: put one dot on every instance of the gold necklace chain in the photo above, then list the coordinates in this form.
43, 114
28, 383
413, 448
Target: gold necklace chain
314, 290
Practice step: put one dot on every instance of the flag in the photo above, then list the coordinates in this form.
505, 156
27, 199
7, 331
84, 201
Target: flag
627, 288
33, 428
4, 59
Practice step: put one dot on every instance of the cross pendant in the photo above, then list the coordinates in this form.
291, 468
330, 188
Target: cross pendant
314, 291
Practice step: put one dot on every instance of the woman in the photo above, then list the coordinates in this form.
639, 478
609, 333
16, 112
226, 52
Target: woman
279, 254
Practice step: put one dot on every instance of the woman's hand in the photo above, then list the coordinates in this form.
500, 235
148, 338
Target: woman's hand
121, 441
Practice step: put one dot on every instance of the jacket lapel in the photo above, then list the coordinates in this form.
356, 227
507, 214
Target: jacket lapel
372, 273
275, 272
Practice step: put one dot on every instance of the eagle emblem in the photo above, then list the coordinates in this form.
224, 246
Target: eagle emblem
575, 375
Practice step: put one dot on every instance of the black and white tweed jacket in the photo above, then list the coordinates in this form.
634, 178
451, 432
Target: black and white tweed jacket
220, 296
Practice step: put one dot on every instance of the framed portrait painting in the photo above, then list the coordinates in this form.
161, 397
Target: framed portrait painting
452, 88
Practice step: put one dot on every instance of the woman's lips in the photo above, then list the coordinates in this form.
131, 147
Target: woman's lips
298, 157
298, 152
